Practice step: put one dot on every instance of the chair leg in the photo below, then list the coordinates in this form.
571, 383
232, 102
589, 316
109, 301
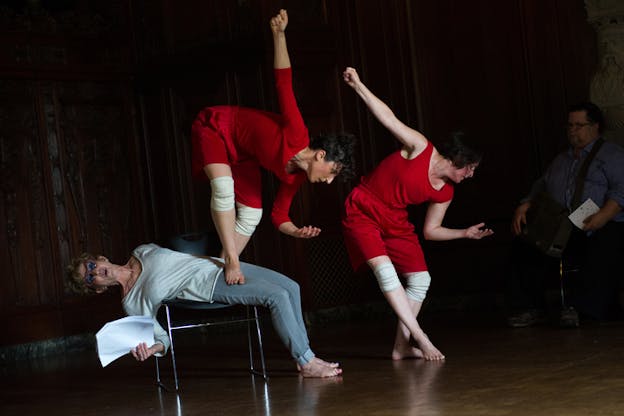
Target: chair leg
255, 318
260, 347
249, 346
158, 383
173, 360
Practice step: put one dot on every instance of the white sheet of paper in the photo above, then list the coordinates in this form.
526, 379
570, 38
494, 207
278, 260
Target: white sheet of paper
586, 209
117, 338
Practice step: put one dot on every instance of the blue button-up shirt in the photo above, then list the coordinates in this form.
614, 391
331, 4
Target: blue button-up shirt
604, 180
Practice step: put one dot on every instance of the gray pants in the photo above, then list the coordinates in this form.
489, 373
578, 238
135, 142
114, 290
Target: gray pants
278, 293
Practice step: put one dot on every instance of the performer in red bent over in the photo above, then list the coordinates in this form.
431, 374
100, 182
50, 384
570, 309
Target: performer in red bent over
376, 226
230, 144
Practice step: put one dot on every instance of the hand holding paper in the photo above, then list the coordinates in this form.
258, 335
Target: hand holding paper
117, 338
586, 209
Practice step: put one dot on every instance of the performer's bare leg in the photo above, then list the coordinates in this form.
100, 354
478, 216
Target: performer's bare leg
224, 223
241, 241
402, 346
400, 304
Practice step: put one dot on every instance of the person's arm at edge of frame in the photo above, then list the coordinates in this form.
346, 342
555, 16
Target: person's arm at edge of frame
614, 197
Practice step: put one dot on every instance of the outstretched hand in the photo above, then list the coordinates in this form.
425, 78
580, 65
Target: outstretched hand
306, 232
350, 76
477, 232
279, 22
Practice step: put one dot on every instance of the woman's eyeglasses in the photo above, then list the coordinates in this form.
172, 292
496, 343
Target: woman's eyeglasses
89, 276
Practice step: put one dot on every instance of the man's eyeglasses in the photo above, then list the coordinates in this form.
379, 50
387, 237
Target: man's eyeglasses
574, 126
89, 276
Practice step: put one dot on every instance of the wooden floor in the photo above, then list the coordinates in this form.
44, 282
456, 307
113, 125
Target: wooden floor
490, 370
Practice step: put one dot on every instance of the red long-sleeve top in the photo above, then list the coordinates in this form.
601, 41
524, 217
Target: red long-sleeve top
268, 139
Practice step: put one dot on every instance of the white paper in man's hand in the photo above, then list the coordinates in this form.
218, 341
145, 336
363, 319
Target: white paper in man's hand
586, 209
117, 338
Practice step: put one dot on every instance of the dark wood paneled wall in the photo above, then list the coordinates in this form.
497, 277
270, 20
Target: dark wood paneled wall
71, 163
98, 98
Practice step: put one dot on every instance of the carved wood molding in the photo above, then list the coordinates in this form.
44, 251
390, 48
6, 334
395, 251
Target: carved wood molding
607, 85
68, 18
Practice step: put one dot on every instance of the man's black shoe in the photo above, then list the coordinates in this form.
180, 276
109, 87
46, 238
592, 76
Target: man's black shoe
569, 318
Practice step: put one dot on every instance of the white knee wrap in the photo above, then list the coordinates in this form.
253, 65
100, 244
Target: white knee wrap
417, 285
247, 219
222, 198
387, 277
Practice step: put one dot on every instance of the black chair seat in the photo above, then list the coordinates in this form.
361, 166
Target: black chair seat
195, 304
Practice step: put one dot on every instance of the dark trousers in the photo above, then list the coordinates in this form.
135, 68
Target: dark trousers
592, 273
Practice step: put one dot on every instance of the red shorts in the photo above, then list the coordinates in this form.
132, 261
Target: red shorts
373, 229
212, 142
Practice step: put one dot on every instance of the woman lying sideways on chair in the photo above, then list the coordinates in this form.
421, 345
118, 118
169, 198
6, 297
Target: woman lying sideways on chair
153, 274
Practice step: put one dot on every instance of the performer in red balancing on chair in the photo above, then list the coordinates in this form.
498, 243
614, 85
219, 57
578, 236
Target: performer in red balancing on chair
231, 144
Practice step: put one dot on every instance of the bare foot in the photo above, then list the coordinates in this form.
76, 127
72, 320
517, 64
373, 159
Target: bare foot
429, 351
316, 368
232, 272
325, 363
401, 352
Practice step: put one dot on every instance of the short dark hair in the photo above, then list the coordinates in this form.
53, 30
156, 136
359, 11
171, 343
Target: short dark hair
594, 113
456, 150
338, 148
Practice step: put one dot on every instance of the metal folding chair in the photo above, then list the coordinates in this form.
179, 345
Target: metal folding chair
171, 305
201, 244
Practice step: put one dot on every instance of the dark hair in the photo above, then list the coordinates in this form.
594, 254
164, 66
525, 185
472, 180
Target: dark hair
338, 148
594, 113
458, 152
